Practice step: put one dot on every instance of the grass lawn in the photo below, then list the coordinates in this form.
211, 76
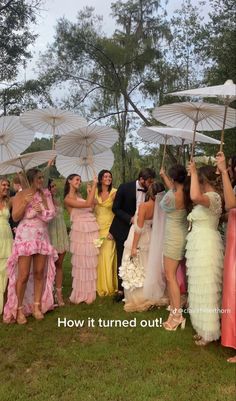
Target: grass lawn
40, 361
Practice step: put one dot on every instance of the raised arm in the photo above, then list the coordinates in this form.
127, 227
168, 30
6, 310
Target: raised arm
195, 193
168, 183
76, 203
229, 195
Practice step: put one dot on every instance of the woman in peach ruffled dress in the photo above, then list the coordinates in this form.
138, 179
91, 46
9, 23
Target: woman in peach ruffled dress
228, 330
84, 231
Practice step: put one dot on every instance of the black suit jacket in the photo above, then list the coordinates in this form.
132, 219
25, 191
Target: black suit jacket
124, 208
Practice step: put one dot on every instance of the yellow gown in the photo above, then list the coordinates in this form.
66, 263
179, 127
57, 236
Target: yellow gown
107, 260
6, 241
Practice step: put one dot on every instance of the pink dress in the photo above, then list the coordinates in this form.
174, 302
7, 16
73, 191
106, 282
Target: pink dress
32, 238
228, 335
84, 231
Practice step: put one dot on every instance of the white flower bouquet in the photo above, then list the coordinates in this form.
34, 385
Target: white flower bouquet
98, 242
132, 273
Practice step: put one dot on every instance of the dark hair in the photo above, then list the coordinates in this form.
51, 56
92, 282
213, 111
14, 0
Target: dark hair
99, 184
146, 173
178, 173
208, 174
31, 174
50, 181
154, 189
67, 184
233, 167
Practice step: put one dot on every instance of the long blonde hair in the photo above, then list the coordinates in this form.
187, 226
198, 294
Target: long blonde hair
6, 199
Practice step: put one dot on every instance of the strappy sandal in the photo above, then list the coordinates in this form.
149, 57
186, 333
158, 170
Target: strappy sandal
20, 318
202, 342
174, 322
38, 315
59, 297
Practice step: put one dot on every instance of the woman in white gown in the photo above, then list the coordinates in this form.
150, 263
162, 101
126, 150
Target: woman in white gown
204, 255
141, 270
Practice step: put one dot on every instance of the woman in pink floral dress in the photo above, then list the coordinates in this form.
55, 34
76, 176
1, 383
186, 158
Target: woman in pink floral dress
31, 268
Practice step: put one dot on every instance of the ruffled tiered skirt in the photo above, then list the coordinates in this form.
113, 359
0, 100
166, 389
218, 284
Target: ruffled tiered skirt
37, 243
204, 261
228, 336
84, 260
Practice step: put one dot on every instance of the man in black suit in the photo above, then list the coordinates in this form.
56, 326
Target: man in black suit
127, 200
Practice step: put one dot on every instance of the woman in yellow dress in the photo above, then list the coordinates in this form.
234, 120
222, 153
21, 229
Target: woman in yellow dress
107, 262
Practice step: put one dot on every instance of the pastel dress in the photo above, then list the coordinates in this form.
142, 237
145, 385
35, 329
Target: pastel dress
84, 231
134, 299
6, 241
176, 227
58, 231
228, 334
204, 261
32, 238
107, 259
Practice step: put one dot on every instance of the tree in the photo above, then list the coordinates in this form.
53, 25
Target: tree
108, 75
218, 42
16, 17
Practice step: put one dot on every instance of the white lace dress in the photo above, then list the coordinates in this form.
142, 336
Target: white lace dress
204, 261
134, 298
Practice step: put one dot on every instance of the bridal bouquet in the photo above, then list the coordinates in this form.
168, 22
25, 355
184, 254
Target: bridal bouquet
132, 273
98, 242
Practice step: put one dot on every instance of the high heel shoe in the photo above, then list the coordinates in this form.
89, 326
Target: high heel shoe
59, 297
20, 318
174, 322
38, 315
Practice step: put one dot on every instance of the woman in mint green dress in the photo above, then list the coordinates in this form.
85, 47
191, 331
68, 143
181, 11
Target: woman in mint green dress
175, 204
59, 239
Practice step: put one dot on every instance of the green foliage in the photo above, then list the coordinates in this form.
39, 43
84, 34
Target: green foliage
16, 17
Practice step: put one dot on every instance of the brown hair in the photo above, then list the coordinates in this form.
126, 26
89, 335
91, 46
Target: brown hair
154, 189
31, 174
67, 184
7, 197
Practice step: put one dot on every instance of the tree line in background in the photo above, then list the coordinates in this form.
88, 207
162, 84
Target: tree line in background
118, 79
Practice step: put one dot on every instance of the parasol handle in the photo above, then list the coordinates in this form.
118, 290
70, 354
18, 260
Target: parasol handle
24, 173
194, 136
164, 151
223, 129
222, 134
53, 133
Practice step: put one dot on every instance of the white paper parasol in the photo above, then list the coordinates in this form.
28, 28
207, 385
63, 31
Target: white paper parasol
193, 115
172, 136
85, 166
14, 137
87, 141
52, 121
225, 92
26, 161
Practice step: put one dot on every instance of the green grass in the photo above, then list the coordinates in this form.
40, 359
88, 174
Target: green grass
40, 361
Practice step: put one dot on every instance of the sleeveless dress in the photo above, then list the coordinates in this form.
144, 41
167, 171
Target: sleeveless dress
135, 299
58, 232
32, 238
84, 230
204, 261
107, 259
176, 228
228, 334
6, 241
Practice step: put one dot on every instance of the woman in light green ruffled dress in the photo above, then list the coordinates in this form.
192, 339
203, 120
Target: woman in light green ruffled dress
5, 237
59, 239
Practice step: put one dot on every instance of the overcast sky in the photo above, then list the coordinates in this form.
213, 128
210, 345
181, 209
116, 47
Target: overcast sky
52, 10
